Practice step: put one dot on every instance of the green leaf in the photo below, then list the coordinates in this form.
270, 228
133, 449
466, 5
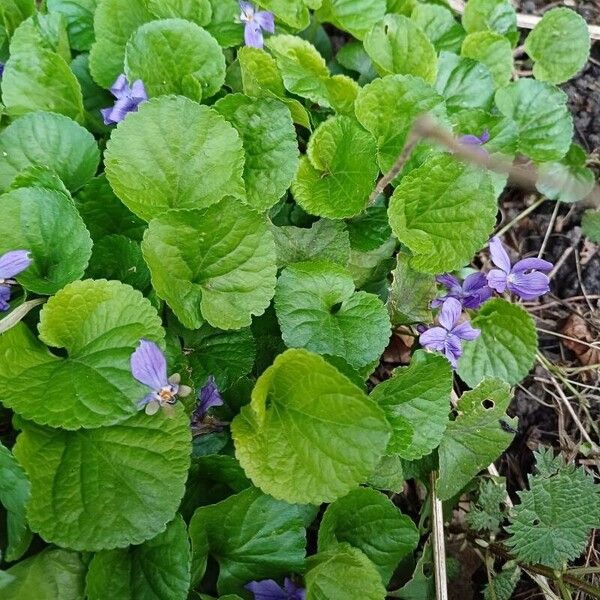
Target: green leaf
416, 403
552, 523
464, 83
99, 324
491, 15
475, 439
352, 56
541, 114
174, 56
444, 211
319, 309
224, 25
369, 521
49, 575
235, 277
411, 294
197, 11
338, 174
488, 513
439, 25
559, 45
14, 12
68, 149
388, 107
14, 494
269, 139
114, 22
99, 489
567, 180
357, 18
118, 257
503, 585
47, 31
251, 535
397, 46
46, 223
158, 569
388, 475
311, 443
494, 51
174, 153
79, 15
506, 347
323, 240
370, 229
590, 224
503, 131
422, 584
371, 268
340, 573
291, 12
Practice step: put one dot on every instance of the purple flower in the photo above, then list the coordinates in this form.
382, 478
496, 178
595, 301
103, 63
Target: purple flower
12, 263
447, 338
267, 589
208, 397
1, 70
476, 142
526, 278
149, 366
256, 22
473, 292
128, 99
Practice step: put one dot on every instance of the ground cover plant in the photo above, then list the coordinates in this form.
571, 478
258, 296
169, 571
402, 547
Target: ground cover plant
218, 221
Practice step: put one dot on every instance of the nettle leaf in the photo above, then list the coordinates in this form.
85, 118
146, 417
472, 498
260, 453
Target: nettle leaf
215, 264
175, 56
590, 224
270, 145
444, 211
79, 16
338, 173
416, 404
51, 574
158, 569
559, 45
323, 240
114, 22
464, 83
197, 11
319, 309
99, 324
223, 25
388, 107
357, 18
494, 51
567, 180
504, 583
251, 535
291, 12
541, 114
67, 149
311, 443
491, 15
46, 223
476, 438
14, 494
552, 523
369, 521
411, 294
174, 153
397, 46
342, 572
506, 347
139, 470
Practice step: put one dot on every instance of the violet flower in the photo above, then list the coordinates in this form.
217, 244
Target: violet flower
526, 278
256, 22
11, 264
208, 397
472, 293
1, 70
267, 589
447, 338
475, 142
128, 99
149, 366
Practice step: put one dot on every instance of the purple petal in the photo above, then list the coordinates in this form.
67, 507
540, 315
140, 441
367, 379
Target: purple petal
453, 350
434, 339
478, 297
497, 280
267, 589
529, 286
265, 20
474, 282
149, 366
439, 301
450, 313
208, 397
14, 262
107, 116
449, 281
247, 10
253, 35
499, 255
469, 140
465, 331
120, 87
532, 264
485, 136
4, 297
138, 91
1, 70
294, 592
